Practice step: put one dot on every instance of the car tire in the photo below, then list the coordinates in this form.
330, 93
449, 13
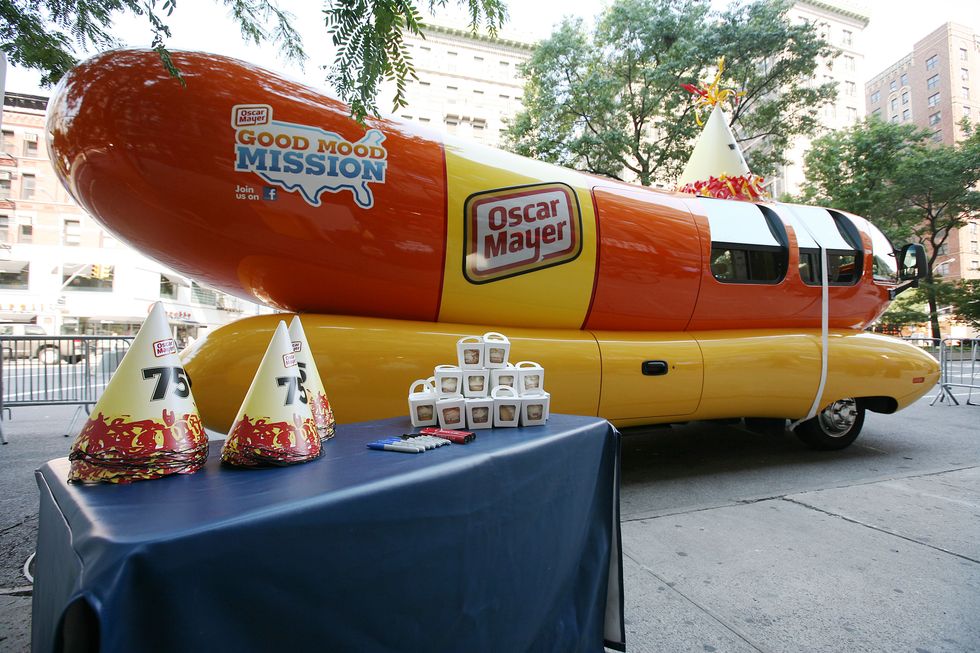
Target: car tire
49, 356
835, 427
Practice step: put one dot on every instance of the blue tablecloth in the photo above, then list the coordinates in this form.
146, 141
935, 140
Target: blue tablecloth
510, 543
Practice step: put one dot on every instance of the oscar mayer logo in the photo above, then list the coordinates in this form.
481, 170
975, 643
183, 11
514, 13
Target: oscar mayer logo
511, 231
306, 159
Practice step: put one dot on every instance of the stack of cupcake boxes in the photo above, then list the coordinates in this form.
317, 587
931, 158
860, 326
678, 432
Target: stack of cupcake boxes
482, 390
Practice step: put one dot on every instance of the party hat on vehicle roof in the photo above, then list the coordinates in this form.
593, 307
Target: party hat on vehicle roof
274, 426
315, 392
146, 424
717, 167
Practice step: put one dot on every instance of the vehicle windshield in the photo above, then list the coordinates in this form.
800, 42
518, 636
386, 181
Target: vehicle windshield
885, 267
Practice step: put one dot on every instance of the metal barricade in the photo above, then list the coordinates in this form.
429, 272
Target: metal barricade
930, 345
56, 370
959, 361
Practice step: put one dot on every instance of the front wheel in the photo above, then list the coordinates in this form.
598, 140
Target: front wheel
835, 427
49, 356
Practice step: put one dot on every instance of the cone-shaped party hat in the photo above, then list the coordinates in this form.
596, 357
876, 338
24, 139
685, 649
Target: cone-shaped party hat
716, 153
315, 392
145, 425
274, 426
717, 167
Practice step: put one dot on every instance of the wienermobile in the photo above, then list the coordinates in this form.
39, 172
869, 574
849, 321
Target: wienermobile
394, 241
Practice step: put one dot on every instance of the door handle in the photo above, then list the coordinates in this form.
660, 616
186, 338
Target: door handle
654, 368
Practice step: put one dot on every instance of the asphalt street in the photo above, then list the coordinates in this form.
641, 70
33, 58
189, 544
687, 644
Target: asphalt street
732, 541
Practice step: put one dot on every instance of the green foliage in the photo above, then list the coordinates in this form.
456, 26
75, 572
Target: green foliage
369, 38
965, 301
45, 35
610, 101
913, 189
908, 310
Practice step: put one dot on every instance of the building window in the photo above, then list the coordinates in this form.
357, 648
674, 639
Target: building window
932, 82
505, 63
451, 53
975, 264
26, 235
850, 88
964, 74
4, 185
966, 111
935, 118
847, 37
88, 277
965, 93
943, 250
937, 137
423, 120
905, 79
27, 186
848, 64
894, 104
451, 88
4, 229
425, 83
852, 114
477, 58
905, 97
876, 114
933, 100
168, 289
932, 62
203, 296
72, 233
8, 141
477, 91
875, 97
893, 86
963, 55
906, 115
14, 275
30, 145
895, 118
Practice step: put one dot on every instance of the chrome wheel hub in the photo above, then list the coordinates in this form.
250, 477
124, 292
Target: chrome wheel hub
838, 418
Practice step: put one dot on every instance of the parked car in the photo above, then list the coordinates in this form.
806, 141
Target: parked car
32, 341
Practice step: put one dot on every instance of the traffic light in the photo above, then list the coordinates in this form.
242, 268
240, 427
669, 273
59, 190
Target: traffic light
100, 271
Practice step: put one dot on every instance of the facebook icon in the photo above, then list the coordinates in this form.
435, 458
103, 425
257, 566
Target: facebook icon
270, 193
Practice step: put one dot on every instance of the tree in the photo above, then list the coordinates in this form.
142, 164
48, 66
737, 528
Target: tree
896, 176
610, 101
44, 34
966, 302
906, 310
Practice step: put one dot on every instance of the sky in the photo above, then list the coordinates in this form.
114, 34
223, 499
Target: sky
202, 25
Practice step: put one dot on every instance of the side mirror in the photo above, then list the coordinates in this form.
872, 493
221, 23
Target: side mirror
912, 264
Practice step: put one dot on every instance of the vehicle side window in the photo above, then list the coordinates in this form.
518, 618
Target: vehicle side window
6, 330
33, 330
843, 265
748, 243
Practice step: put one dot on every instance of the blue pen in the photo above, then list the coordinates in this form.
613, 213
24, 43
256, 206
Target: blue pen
404, 448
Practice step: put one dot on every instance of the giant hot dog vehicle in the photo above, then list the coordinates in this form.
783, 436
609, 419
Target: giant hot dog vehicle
393, 241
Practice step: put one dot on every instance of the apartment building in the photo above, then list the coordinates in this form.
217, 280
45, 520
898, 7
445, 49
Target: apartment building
467, 85
61, 270
935, 87
842, 24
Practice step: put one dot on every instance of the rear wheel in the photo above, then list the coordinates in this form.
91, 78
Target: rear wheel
49, 356
835, 427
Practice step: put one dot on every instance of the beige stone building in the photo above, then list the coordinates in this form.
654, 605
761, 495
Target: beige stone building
60, 270
842, 24
936, 86
467, 85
